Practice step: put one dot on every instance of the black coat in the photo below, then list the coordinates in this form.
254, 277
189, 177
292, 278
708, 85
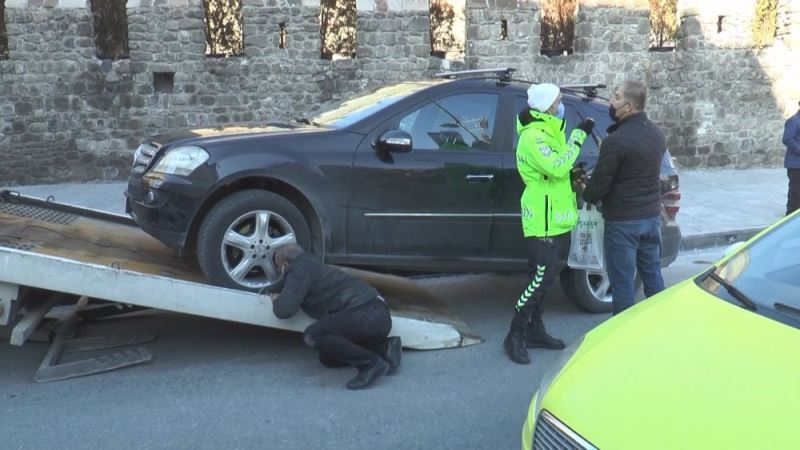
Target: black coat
628, 171
319, 289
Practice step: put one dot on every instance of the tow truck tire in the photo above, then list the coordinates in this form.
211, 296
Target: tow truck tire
238, 216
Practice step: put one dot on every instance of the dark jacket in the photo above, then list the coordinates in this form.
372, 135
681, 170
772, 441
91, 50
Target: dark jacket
628, 171
791, 139
319, 289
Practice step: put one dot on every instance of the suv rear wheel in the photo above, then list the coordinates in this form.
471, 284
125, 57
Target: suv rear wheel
591, 290
588, 289
240, 234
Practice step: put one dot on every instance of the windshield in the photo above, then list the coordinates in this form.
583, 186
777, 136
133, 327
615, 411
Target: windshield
767, 272
355, 109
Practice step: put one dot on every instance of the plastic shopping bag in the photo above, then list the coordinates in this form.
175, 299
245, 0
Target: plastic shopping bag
586, 250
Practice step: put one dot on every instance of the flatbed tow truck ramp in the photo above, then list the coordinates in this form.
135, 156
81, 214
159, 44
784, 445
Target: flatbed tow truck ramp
60, 262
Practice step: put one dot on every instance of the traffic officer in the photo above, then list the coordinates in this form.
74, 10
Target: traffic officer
549, 210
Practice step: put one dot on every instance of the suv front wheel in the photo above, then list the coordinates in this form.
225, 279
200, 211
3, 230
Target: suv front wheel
240, 234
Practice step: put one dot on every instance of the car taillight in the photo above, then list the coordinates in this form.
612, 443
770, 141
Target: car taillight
671, 201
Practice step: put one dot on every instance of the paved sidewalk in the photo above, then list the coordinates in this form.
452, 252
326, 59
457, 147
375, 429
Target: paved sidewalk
717, 206
723, 206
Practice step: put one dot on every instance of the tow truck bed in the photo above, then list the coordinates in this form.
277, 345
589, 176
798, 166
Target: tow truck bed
100, 255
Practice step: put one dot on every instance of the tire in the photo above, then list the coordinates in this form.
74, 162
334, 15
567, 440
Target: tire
590, 290
243, 259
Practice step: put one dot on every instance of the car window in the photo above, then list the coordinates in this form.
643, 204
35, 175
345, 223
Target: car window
570, 115
766, 271
357, 108
458, 122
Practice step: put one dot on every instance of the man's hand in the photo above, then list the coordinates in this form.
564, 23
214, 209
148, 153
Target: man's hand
578, 177
586, 126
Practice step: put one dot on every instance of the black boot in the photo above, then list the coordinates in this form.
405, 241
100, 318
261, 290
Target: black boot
368, 375
514, 344
536, 336
393, 354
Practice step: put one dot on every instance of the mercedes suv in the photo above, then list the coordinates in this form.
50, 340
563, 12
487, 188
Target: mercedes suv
417, 176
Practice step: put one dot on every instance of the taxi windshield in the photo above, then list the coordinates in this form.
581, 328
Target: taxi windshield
766, 273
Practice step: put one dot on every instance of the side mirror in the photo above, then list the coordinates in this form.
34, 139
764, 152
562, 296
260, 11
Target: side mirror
394, 141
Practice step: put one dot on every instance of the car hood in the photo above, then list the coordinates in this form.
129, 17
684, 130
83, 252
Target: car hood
683, 369
229, 131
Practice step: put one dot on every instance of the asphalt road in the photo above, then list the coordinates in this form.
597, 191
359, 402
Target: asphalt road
218, 385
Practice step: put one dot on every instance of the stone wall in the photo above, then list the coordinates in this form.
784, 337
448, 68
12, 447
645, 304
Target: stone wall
67, 116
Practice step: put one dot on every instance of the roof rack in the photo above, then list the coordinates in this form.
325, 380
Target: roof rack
503, 73
590, 90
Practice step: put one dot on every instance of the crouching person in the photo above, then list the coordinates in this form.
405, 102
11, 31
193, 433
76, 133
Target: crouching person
352, 319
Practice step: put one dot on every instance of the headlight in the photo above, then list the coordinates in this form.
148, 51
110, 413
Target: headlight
181, 160
553, 370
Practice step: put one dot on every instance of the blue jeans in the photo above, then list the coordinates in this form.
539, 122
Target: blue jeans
632, 245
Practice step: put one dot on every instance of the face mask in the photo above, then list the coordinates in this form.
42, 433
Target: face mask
612, 112
560, 111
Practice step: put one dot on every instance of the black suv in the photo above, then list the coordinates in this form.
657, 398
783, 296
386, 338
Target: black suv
417, 176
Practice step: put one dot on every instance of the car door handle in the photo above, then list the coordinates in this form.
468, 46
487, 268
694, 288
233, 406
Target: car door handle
487, 177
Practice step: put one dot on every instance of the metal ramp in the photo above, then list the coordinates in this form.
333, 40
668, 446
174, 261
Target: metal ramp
95, 254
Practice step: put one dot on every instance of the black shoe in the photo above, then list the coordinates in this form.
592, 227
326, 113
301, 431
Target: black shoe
332, 363
515, 347
394, 352
536, 336
368, 375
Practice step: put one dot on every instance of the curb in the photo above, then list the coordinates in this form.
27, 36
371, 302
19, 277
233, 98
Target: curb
717, 239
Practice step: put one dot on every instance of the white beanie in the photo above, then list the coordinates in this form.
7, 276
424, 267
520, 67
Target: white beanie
542, 96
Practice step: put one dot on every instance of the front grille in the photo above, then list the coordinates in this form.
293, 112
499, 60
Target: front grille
551, 434
142, 158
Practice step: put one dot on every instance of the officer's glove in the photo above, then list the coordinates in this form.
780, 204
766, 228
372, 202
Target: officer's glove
586, 126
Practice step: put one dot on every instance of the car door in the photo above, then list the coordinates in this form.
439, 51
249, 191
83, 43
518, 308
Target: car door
507, 240
430, 207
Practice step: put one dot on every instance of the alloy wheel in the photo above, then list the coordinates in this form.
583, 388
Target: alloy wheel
249, 244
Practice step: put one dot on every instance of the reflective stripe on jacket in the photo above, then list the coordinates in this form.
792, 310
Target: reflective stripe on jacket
544, 161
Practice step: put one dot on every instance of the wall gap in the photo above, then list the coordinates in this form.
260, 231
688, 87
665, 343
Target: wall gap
164, 82
663, 25
448, 28
337, 29
224, 24
110, 28
558, 27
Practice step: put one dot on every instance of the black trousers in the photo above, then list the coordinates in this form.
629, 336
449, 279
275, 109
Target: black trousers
353, 336
546, 257
793, 201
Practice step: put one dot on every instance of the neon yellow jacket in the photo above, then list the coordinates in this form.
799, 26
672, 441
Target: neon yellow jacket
544, 161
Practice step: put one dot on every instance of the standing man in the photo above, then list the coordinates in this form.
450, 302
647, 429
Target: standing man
549, 212
353, 320
627, 180
791, 139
